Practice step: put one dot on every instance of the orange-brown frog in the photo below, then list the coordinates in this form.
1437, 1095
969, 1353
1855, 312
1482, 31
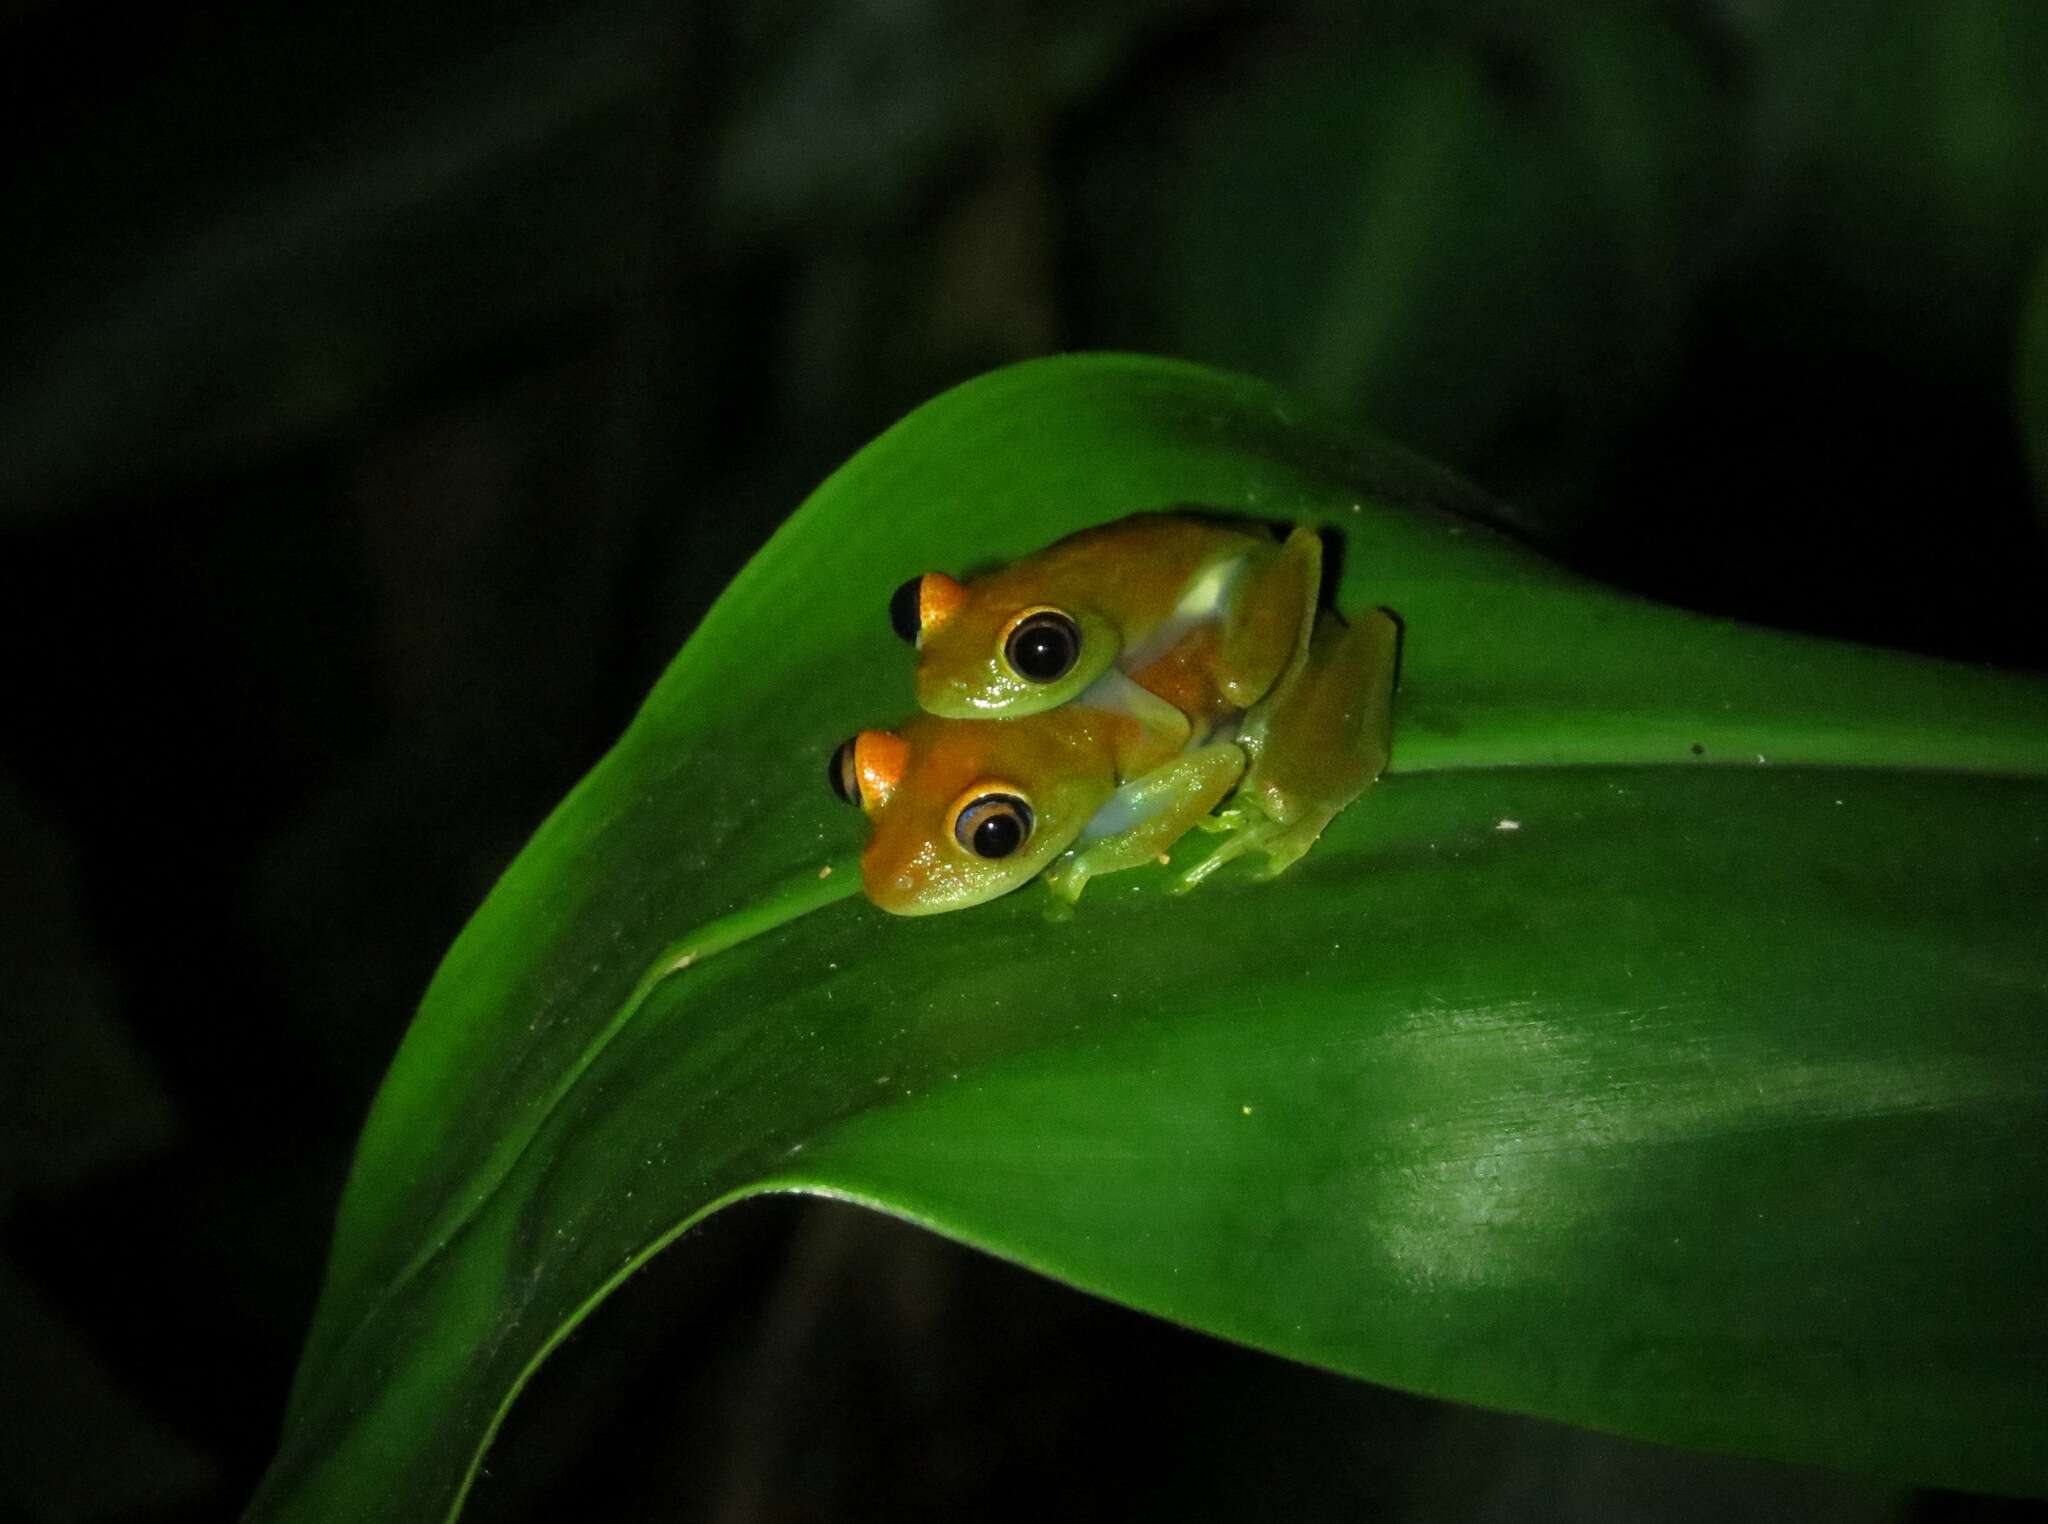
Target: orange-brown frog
967, 809
1206, 616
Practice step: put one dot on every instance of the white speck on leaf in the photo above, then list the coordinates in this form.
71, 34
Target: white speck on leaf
1508, 825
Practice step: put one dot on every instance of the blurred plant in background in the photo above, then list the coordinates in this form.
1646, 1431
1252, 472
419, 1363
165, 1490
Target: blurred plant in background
388, 390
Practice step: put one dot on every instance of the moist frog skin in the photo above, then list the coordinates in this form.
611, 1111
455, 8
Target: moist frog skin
1205, 614
964, 810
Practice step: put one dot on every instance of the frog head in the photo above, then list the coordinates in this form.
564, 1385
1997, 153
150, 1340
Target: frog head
965, 810
1000, 646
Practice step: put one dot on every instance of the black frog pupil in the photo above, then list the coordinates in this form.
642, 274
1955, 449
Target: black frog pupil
998, 835
995, 825
1045, 647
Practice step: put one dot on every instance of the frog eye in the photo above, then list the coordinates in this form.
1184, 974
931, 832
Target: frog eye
1043, 646
903, 612
922, 604
841, 773
993, 825
866, 770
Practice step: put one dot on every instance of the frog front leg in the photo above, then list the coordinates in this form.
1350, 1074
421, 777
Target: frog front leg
1146, 816
1315, 746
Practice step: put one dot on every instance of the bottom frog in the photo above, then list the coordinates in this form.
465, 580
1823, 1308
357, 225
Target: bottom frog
965, 810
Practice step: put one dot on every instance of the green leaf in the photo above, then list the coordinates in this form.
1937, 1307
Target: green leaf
1903, 141
1366, 220
1659, 1047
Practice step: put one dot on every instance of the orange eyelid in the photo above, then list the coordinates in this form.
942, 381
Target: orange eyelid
879, 759
939, 598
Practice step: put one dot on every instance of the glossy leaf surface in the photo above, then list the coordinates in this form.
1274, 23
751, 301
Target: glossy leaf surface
1659, 1047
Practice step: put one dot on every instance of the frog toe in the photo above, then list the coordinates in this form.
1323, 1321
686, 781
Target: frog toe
1224, 820
1251, 836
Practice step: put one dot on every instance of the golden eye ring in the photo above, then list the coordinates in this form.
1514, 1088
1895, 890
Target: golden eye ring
1042, 645
993, 821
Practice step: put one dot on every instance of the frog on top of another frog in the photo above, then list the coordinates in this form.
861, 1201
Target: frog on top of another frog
1203, 614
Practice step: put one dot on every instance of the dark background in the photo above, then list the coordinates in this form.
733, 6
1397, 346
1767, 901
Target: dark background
386, 390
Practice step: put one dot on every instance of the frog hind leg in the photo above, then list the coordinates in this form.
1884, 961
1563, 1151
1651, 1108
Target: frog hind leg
1147, 816
1266, 634
1316, 747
